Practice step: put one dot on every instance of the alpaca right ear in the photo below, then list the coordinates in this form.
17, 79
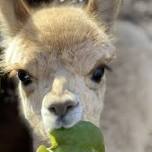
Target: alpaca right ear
105, 10
13, 16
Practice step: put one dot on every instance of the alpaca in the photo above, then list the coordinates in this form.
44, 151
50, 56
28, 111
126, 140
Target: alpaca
60, 54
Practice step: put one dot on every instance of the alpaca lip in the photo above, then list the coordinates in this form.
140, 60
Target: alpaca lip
62, 122
61, 119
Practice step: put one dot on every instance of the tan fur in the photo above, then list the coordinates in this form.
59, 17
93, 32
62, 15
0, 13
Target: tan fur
40, 30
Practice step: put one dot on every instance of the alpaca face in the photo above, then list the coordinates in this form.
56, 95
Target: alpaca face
60, 57
56, 92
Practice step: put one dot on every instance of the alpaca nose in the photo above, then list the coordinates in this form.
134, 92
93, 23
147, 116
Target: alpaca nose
61, 109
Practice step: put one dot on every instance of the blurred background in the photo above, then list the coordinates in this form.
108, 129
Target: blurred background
133, 36
130, 83
139, 12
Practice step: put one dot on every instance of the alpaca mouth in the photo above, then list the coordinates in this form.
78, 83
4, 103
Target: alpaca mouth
61, 119
63, 122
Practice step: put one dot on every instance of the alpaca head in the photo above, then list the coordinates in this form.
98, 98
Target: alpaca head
59, 55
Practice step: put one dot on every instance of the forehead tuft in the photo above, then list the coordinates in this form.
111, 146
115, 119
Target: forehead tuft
63, 27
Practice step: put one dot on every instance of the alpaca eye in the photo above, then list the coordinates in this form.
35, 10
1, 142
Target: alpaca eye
24, 77
98, 74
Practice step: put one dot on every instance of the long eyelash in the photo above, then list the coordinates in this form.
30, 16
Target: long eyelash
25, 71
108, 68
32, 77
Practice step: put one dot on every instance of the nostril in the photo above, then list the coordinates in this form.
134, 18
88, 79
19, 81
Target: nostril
52, 109
70, 106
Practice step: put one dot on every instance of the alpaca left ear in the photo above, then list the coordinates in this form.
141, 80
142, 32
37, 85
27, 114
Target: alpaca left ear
14, 14
21, 10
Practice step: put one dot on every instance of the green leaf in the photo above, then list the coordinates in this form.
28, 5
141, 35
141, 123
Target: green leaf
83, 137
42, 149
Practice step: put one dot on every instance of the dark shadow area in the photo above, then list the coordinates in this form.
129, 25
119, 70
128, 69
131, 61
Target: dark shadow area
14, 132
38, 2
